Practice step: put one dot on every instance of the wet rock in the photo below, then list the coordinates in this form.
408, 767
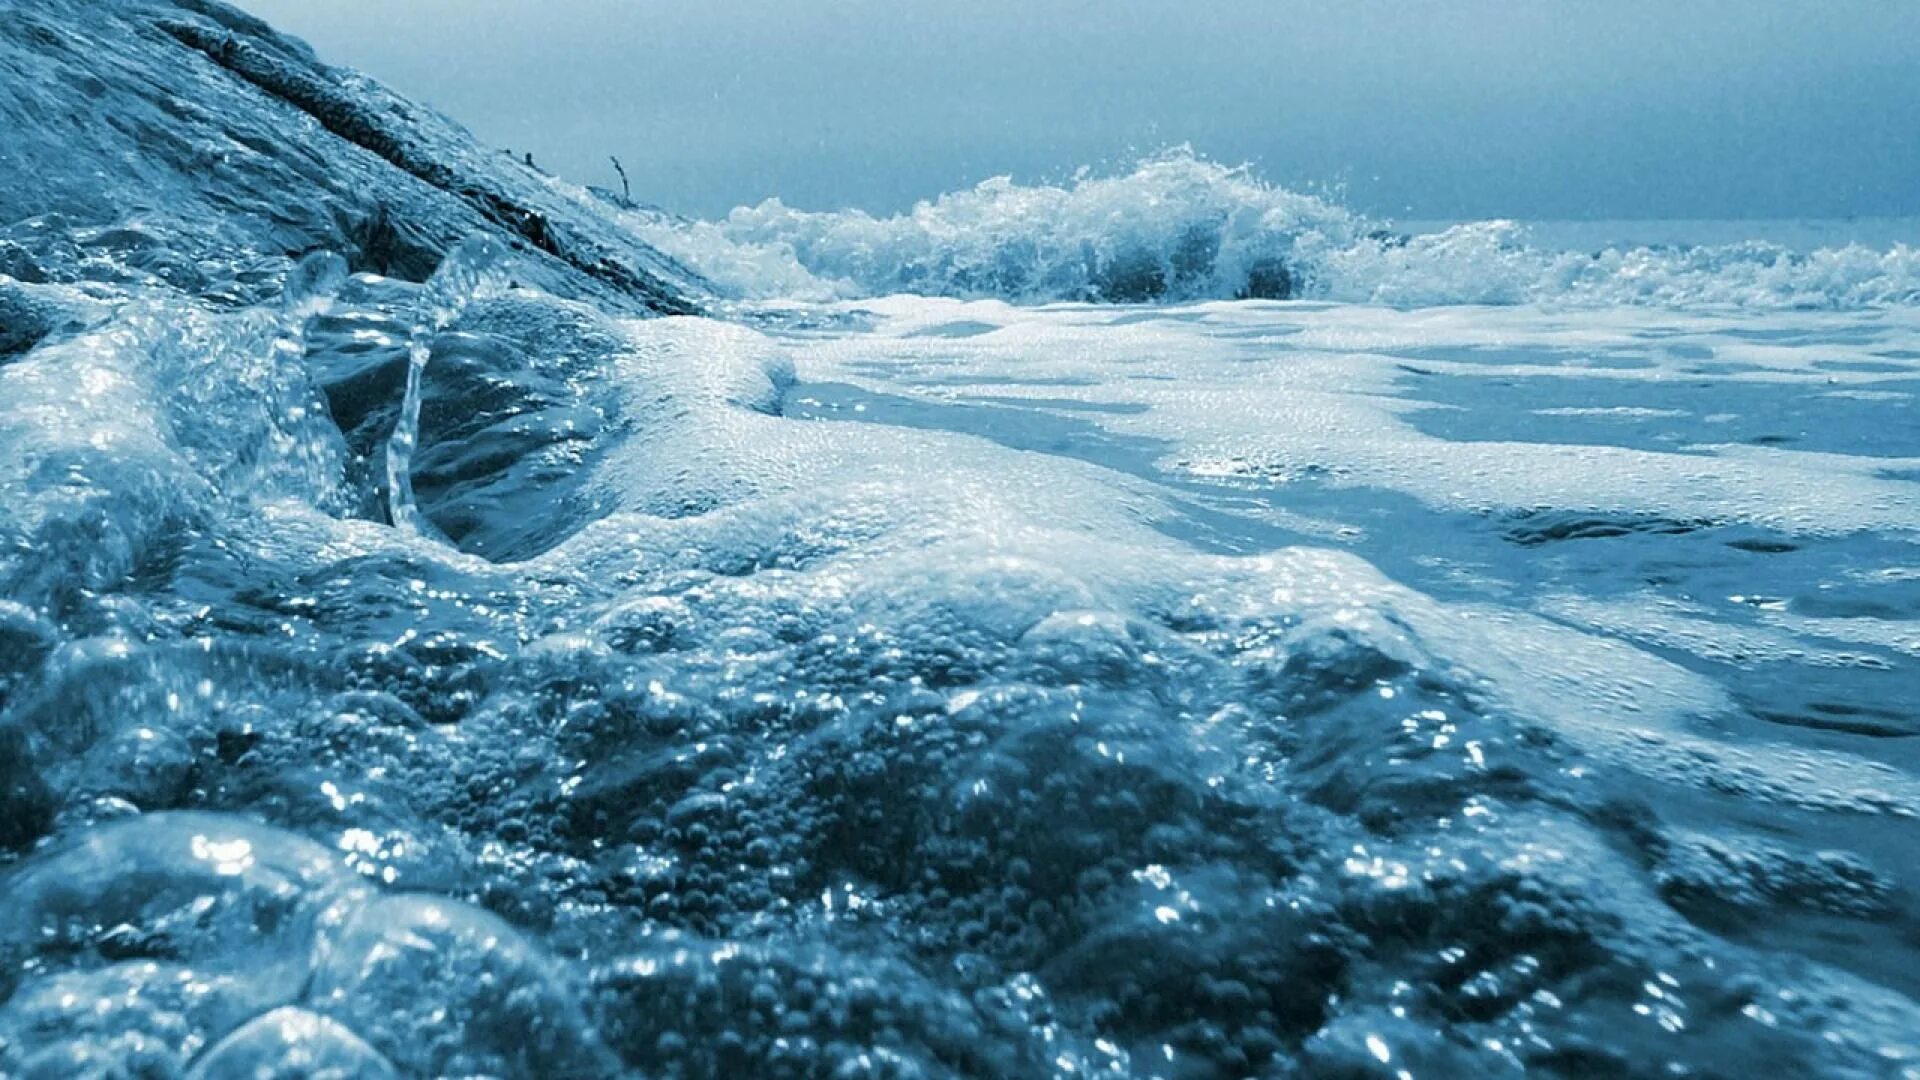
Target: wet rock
312, 158
377, 243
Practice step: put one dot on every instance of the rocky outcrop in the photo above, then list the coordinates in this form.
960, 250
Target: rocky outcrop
191, 135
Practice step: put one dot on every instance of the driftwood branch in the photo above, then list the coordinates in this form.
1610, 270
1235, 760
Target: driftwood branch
626, 189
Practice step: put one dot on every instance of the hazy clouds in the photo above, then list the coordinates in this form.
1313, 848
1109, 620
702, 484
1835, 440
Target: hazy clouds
1421, 109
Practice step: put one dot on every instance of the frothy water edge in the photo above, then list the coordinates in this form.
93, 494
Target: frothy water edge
953, 687
1182, 228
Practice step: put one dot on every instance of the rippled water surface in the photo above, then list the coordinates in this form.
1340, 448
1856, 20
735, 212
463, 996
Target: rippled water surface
927, 687
1156, 624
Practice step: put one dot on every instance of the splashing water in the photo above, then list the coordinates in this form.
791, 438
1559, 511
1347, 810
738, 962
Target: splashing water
311, 289
937, 687
477, 267
1047, 691
1179, 227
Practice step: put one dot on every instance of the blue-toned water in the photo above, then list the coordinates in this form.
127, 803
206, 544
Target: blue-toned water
1163, 625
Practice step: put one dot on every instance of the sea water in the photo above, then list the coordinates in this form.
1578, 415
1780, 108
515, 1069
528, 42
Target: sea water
1498, 654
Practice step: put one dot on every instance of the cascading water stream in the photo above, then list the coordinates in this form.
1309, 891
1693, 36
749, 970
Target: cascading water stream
311, 288
474, 268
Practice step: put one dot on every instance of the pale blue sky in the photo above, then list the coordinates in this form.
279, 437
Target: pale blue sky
1473, 108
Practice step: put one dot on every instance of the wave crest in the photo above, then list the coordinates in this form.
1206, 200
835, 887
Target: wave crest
1182, 228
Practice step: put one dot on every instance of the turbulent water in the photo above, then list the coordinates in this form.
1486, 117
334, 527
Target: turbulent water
1179, 227
1490, 658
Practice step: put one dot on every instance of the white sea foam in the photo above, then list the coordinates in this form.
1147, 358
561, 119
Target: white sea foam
917, 596
1179, 227
966, 685
1275, 396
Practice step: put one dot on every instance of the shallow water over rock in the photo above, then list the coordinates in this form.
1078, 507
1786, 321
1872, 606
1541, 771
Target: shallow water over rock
437, 670
1159, 692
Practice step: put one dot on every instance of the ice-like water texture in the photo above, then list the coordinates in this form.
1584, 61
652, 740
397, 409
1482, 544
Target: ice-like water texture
1183, 228
469, 272
443, 673
921, 687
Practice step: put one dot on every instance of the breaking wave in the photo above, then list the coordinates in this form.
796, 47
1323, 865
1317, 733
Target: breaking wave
1182, 228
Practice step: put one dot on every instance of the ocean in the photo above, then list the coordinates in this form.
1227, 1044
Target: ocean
1161, 625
